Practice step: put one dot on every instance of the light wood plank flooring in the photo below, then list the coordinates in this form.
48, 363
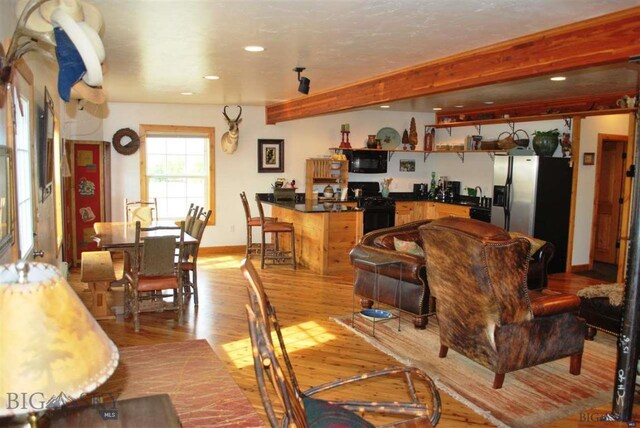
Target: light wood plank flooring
300, 297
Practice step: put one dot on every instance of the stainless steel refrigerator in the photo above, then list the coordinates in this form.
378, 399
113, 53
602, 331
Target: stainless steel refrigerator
532, 195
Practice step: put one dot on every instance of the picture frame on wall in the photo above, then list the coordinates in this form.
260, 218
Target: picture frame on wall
270, 155
407, 165
589, 158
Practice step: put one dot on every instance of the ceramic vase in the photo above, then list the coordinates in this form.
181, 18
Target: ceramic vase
385, 192
545, 145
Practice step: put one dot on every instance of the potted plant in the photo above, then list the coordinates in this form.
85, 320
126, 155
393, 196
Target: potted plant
545, 143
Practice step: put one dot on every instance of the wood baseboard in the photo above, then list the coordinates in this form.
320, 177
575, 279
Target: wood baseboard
580, 268
225, 249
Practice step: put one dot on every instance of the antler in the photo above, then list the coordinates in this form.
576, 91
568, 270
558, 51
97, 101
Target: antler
224, 112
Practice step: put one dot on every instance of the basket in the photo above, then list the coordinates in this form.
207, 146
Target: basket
488, 144
517, 138
507, 142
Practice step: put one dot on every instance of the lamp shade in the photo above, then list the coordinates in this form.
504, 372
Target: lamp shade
52, 350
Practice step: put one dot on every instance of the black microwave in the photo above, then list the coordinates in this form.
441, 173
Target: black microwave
367, 161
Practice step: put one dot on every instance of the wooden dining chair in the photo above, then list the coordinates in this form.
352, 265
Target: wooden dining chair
299, 407
192, 214
144, 211
153, 269
189, 265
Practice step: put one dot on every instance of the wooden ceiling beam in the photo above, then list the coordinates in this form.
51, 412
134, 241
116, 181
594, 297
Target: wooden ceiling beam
603, 40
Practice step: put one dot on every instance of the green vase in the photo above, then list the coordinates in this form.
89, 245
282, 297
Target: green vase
385, 192
545, 143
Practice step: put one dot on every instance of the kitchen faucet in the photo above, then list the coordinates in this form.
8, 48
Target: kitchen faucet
478, 188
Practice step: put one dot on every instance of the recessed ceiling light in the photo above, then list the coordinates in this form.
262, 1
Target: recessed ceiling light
253, 48
437, 108
459, 106
211, 77
186, 93
488, 102
558, 78
385, 106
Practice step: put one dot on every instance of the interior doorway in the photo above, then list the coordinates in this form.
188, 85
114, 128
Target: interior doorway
607, 209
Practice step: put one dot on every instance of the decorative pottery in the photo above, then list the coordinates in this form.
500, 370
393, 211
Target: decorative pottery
389, 138
328, 192
545, 143
385, 192
371, 142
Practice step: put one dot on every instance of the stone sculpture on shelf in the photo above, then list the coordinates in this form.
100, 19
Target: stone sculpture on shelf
413, 134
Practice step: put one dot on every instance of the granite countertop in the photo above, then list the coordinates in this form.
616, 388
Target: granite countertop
467, 201
322, 207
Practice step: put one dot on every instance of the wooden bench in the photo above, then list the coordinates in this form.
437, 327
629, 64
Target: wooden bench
97, 270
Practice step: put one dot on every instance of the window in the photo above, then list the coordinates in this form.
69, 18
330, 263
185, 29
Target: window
24, 193
177, 168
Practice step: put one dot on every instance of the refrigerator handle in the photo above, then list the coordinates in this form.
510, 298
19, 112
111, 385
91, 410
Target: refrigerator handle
507, 196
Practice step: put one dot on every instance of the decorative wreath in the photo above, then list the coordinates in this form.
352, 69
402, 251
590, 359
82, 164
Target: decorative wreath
129, 148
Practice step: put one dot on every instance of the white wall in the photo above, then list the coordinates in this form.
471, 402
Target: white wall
235, 173
591, 127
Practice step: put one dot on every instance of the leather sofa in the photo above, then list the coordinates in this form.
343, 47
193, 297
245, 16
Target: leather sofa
415, 297
496, 321
413, 289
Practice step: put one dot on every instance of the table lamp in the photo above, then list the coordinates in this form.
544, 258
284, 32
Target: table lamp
52, 351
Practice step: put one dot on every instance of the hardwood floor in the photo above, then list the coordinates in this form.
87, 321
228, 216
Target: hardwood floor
305, 300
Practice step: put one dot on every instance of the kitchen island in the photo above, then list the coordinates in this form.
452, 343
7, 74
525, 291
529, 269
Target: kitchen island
324, 233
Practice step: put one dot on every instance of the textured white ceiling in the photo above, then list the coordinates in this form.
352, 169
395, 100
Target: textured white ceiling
157, 49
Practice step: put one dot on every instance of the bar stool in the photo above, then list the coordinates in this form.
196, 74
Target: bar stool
252, 249
275, 228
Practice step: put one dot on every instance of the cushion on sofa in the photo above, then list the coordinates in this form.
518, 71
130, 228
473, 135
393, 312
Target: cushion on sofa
536, 243
388, 239
410, 247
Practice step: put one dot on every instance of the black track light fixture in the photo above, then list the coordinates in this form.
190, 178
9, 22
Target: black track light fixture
304, 82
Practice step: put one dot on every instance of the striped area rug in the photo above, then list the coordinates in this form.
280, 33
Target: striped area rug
529, 397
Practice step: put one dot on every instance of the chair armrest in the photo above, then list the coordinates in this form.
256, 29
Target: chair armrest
414, 407
544, 253
546, 303
413, 267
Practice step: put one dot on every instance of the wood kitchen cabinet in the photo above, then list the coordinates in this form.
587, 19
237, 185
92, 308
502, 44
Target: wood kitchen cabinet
323, 172
408, 211
449, 210
405, 212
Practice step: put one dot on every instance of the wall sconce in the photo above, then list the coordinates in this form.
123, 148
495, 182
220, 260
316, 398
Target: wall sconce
304, 82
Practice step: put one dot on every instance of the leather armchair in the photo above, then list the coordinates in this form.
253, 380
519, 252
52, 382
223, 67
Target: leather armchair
413, 285
478, 275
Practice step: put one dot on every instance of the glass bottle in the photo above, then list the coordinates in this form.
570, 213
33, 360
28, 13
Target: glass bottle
432, 189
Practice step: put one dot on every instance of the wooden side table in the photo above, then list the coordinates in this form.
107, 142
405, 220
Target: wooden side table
97, 270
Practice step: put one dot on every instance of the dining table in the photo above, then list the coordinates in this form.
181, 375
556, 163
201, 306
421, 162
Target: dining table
114, 236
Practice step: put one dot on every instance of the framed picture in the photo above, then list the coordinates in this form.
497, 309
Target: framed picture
407, 165
270, 155
589, 158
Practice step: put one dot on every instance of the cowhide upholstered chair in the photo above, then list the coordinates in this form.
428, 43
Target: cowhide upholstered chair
478, 276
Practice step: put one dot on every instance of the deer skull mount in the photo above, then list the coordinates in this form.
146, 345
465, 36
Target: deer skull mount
230, 138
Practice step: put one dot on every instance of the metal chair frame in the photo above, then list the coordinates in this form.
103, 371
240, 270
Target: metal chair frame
262, 320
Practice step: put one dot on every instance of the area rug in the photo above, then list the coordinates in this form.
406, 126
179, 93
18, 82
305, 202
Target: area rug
201, 389
528, 398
